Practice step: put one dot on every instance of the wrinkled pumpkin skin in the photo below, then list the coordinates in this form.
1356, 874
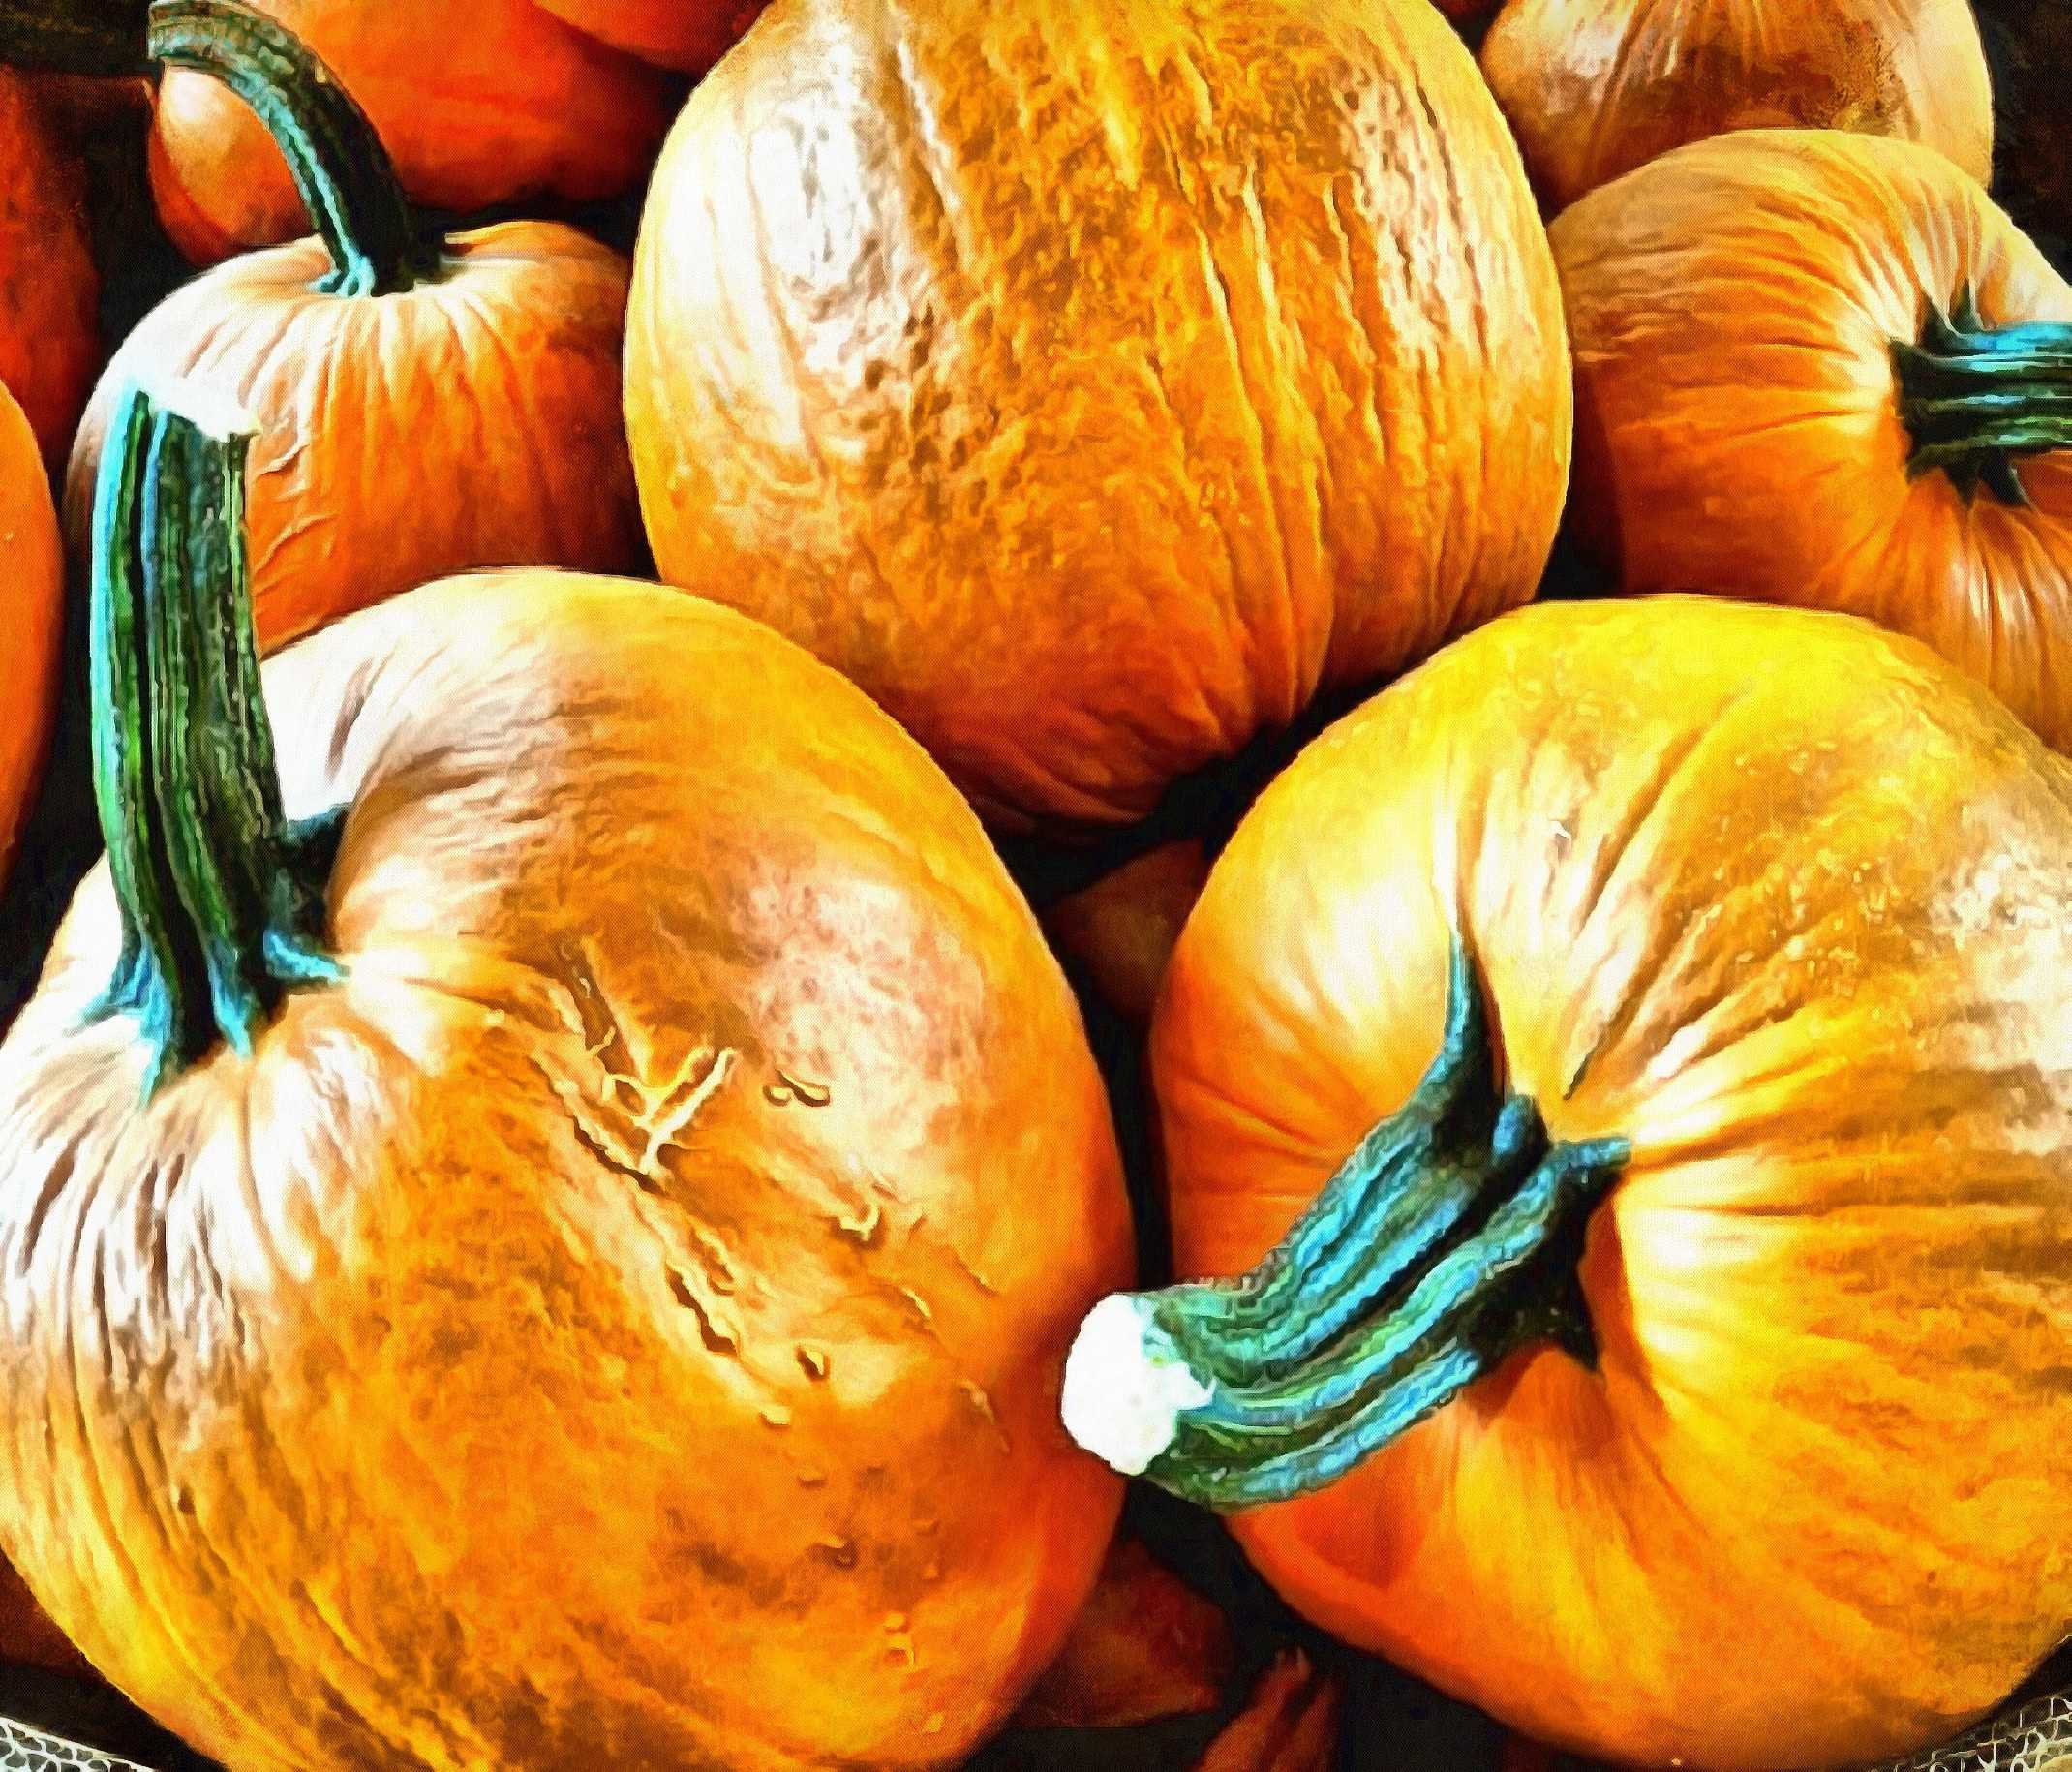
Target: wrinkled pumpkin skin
483, 103
1096, 439
1779, 897
470, 422
1734, 306
1595, 88
700, 1163
686, 34
32, 620
49, 328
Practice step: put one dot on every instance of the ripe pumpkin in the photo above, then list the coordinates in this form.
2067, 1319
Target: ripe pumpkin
49, 329
1102, 399
686, 34
426, 407
32, 620
1825, 369
1767, 906
481, 102
649, 1150
1595, 88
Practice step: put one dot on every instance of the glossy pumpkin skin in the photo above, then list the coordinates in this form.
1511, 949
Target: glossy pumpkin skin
481, 103
1784, 908
686, 34
1094, 446
1595, 88
32, 620
470, 422
1734, 306
700, 1159
50, 291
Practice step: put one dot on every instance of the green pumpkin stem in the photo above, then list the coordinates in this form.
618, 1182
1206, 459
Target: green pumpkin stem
222, 897
103, 37
346, 178
1976, 399
1446, 1242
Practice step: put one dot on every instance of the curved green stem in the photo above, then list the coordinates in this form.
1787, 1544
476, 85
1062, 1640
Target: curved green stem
105, 38
1976, 399
1449, 1240
347, 181
222, 897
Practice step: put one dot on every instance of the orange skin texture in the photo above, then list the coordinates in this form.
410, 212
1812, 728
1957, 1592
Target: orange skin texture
471, 421
1094, 440
686, 34
700, 1166
50, 291
1595, 88
479, 103
1786, 910
1733, 307
32, 621
1122, 928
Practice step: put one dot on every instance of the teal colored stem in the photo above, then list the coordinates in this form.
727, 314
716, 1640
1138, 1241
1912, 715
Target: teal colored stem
344, 176
1447, 1241
1976, 399
222, 898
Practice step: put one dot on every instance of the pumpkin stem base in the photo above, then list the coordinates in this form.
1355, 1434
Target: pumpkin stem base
1977, 399
1449, 1239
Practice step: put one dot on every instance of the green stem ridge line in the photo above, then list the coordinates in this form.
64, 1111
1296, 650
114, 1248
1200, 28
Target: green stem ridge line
1447, 1241
344, 176
101, 38
1976, 399
222, 897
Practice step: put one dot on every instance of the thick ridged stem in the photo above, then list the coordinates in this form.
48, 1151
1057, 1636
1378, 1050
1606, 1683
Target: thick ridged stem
92, 36
344, 176
222, 897
1447, 1241
1976, 399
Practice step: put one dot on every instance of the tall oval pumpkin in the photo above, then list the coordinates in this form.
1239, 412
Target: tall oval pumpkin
50, 288
1107, 378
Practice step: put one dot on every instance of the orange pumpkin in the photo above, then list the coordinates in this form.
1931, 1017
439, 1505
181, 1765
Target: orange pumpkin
27, 1637
49, 329
1290, 1724
1825, 369
1748, 923
425, 408
1595, 88
591, 1162
688, 34
1101, 398
481, 102
32, 619
1121, 928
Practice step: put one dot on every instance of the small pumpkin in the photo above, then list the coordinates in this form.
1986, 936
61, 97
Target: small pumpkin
1825, 369
1102, 399
49, 289
1719, 1269
1122, 928
483, 103
32, 619
686, 34
426, 406
549, 1146
1595, 88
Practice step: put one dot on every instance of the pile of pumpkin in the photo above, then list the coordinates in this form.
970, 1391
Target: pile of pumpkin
556, 1205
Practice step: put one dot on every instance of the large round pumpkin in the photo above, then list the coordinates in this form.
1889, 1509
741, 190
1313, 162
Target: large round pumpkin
1825, 369
1596, 87
32, 620
481, 102
602, 1300
49, 330
688, 34
1107, 379
1750, 923
423, 410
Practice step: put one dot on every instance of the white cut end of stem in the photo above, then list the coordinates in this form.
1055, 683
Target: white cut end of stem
206, 405
1126, 1386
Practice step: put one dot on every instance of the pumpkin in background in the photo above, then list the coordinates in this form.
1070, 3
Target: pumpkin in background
28, 1639
1595, 88
481, 102
1750, 923
49, 330
32, 620
1102, 399
640, 1199
686, 34
425, 408
1825, 369
1290, 1722
1121, 928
